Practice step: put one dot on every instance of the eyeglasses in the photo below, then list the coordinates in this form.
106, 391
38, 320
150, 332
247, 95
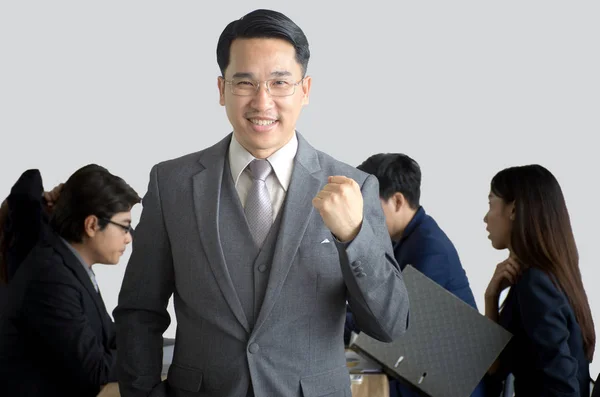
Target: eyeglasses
275, 87
126, 228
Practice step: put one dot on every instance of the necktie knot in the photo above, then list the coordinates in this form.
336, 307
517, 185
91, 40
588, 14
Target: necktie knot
260, 169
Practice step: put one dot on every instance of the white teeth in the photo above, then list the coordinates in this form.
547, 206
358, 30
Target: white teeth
262, 122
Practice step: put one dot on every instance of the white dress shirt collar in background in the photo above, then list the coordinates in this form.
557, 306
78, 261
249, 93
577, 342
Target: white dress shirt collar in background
282, 160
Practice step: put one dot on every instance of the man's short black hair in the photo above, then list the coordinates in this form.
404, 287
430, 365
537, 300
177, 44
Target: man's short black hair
263, 24
396, 173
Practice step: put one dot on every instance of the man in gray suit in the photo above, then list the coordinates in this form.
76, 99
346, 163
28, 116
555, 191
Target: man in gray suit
261, 239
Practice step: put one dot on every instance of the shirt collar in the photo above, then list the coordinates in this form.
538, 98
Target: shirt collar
282, 160
77, 255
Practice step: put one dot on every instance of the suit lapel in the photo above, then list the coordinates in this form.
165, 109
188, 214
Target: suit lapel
107, 323
207, 193
297, 210
76, 267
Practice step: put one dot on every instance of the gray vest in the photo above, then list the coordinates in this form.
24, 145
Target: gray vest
249, 267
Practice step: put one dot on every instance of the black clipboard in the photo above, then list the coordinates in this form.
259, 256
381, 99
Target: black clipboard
448, 346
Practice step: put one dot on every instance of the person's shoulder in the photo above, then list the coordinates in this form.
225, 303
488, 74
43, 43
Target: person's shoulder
430, 227
43, 251
534, 277
535, 282
430, 234
45, 263
190, 162
196, 156
333, 166
179, 162
328, 164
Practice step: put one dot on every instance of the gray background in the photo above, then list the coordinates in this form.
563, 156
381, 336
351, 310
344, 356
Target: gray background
464, 87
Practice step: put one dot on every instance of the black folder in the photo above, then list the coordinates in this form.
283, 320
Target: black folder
448, 346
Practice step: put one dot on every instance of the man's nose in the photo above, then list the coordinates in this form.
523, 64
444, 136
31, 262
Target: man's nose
262, 98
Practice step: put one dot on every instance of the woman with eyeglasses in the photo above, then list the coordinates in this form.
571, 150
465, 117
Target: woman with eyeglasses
56, 336
546, 308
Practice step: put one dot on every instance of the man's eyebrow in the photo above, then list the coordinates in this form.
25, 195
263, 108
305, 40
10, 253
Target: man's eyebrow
243, 75
246, 75
281, 73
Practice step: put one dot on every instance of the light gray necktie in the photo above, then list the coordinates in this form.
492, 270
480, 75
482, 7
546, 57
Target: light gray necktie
258, 209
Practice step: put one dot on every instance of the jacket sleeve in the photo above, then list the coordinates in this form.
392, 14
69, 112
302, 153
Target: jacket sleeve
53, 311
542, 308
377, 295
141, 315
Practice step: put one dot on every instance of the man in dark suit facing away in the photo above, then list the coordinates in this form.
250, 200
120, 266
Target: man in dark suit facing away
56, 337
416, 236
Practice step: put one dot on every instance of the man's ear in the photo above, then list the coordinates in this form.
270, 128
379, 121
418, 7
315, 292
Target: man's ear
221, 85
306, 84
399, 201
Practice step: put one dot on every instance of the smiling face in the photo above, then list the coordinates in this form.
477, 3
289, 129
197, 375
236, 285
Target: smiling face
499, 219
263, 123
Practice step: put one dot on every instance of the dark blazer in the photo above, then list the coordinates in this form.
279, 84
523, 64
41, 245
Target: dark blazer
426, 247
546, 354
56, 337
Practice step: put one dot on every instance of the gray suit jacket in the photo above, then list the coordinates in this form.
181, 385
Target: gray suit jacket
296, 346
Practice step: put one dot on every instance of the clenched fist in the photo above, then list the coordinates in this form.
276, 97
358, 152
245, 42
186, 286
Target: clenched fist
340, 204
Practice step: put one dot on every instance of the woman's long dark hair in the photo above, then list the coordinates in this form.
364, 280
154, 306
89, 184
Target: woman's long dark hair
542, 236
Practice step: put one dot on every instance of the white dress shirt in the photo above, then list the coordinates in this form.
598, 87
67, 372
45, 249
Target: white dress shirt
278, 181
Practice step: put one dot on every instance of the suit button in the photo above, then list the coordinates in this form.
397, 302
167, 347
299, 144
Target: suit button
359, 269
361, 274
356, 263
262, 268
254, 348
